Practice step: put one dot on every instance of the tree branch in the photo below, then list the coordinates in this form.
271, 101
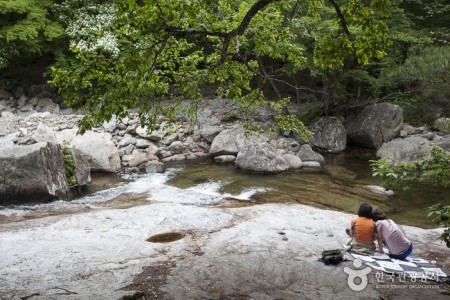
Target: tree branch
341, 19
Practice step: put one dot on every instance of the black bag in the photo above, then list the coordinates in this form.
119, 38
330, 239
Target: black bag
332, 257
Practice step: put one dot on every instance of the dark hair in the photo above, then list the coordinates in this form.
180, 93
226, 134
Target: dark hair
365, 210
378, 215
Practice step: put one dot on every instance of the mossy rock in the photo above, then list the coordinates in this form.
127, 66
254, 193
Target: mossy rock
443, 125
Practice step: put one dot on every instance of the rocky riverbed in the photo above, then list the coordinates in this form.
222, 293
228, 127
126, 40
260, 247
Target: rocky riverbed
99, 248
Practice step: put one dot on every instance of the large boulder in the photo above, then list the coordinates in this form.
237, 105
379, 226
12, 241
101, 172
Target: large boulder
100, 151
407, 150
329, 135
231, 141
261, 158
32, 173
374, 125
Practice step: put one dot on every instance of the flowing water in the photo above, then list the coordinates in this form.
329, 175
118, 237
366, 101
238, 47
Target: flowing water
341, 185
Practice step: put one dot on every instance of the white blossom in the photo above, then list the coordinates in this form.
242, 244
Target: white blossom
91, 28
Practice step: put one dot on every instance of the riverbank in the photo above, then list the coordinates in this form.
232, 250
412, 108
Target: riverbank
257, 252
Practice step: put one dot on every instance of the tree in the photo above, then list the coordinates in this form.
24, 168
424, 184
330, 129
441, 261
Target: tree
434, 169
26, 28
160, 52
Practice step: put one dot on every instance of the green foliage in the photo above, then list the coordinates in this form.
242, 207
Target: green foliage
69, 164
420, 84
153, 54
434, 168
441, 216
26, 27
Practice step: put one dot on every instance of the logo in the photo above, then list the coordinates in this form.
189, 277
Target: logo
353, 274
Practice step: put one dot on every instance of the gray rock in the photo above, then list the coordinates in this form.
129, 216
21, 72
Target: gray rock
231, 141
4, 94
428, 135
153, 135
176, 147
176, 157
329, 135
6, 143
32, 173
44, 134
410, 130
403, 133
127, 140
7, 114
82, 168
23, 101
442, 124
444, 142
45, 102
137, 159
408, 149
126, 150
225, 159
152, 149
209, 132
374, 125
154, 167
164, 153
293, 161
306, 153
260, 158
100, 150
171, 138
311, 164
111, 125
143, 143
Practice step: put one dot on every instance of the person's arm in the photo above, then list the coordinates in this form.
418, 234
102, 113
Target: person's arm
352, 225
379, 239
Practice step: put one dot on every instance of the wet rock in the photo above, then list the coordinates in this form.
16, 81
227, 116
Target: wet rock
374, 125
293, 161
154, 167
225, 159
306, 153
32, 173
329, 135
311, 164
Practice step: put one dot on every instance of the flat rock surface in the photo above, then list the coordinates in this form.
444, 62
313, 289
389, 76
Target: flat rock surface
257, 252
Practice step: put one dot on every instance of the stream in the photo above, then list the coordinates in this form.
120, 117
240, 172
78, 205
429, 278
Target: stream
341, 185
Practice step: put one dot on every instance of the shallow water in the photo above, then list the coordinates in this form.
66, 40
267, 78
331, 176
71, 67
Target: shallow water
340, 185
